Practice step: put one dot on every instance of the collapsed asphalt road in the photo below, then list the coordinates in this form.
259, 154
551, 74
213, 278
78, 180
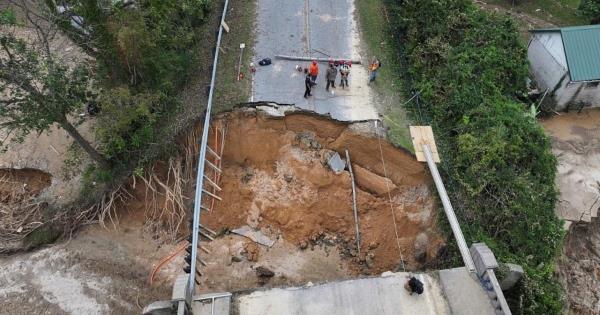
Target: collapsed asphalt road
315, 29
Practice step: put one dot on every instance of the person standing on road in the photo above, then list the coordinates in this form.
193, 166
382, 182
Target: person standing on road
313, 70
331, 75
308, 84
375, 65
344, 73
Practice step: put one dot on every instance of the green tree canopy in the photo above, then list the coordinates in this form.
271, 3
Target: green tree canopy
38, 91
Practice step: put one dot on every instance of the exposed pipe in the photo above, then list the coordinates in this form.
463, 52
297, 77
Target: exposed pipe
458, 235
297, 58
356, 222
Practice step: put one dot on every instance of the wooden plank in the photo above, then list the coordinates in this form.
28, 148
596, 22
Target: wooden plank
423, 135
225, 26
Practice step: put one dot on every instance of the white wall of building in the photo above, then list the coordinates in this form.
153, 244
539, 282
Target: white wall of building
549, 67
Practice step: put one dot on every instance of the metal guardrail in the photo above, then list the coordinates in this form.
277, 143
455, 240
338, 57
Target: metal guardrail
201, 163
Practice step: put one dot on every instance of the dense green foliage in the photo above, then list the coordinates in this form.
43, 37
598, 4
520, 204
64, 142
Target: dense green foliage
144, 51
591, 10
471, 70
7, 17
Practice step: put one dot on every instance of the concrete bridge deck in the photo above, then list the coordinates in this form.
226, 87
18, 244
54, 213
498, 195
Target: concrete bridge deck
451, 291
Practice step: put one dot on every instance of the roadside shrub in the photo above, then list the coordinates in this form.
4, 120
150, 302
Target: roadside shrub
471, 70
591, 10
128, 121
144, 51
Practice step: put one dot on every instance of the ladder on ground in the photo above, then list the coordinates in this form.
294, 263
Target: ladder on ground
210, 194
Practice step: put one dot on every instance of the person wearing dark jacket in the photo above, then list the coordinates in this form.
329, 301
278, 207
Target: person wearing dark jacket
331, 75
308, 84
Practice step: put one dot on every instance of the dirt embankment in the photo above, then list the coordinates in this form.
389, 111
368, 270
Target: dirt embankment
23, 181
275, 179
20, 212
525, 22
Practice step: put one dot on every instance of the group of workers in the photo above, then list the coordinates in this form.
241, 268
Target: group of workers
312, 72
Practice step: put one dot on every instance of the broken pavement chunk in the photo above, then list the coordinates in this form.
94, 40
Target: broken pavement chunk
336, 163
256, 236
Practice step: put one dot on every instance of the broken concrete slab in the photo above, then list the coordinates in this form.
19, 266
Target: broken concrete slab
514, 274
372, 182
336, 163
361, 296
464, 292
159, 308
256, 236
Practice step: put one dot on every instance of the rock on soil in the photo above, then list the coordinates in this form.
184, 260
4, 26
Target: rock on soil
372, 182
264, 272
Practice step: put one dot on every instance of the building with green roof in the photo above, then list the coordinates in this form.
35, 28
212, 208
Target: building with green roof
566, 63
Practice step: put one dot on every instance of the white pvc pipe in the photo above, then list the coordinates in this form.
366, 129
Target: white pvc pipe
439, 184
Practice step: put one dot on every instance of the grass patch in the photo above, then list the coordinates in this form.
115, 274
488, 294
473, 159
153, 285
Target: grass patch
558, 12
380, 42
228, 90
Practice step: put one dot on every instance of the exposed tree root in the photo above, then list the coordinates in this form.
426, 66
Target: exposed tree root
165, 199
19, 216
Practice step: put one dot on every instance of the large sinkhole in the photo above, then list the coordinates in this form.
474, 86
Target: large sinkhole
275, 179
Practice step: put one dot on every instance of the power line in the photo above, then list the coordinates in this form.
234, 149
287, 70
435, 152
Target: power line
390, 202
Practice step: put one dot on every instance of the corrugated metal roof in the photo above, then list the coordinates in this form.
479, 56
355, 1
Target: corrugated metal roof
582, 48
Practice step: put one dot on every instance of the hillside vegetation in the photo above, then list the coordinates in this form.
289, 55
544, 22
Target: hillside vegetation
471, 69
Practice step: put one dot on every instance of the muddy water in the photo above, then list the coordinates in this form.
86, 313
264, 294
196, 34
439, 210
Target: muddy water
576, 143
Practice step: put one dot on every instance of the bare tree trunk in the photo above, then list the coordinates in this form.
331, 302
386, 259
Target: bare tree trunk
83, 143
